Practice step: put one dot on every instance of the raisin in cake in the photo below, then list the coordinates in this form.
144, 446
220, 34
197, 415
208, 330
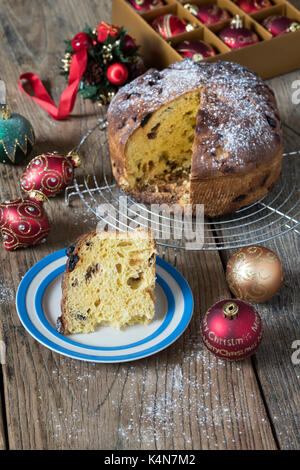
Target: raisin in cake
109, 280
206, 133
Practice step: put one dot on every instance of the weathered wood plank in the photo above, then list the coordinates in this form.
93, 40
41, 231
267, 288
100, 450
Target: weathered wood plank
279, 377
181, 398
38, 49
3, 443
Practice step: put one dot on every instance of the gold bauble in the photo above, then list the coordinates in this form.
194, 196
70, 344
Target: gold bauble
254, 273
5, 113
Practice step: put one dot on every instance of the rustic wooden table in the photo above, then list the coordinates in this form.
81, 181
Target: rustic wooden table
181, 398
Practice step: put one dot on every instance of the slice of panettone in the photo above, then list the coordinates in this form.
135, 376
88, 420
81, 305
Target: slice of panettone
109, 280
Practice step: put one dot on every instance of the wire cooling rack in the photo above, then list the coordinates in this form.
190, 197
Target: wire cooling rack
274, 215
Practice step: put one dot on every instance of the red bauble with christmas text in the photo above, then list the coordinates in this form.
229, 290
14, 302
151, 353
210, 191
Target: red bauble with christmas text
195, 49
231, 329
277, 25
49, 173
236, 36
251, 6
170, 25
145, 5
23, 222
80, 42
117, 73
208, 14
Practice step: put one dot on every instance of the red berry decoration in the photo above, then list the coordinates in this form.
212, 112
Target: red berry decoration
48, 174
80, 42
277, 25
236, 36
23, 222
232, 330
145, 5
108, 44
251, 6
104, 30
129, 43
170, 25
117, 73
195, 49
208, 14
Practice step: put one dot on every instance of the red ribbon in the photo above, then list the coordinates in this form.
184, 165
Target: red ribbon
68, 97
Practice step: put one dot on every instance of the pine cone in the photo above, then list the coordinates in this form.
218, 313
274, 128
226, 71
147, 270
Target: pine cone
93, 73
136, 67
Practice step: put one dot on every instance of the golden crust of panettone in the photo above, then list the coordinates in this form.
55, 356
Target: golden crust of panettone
72, 252
237, 149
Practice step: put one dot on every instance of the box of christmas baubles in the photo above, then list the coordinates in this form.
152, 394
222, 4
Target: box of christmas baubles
263, 35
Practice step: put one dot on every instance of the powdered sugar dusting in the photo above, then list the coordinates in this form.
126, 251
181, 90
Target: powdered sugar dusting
184, 397
147, 92
238, 112
187, 402
6, 294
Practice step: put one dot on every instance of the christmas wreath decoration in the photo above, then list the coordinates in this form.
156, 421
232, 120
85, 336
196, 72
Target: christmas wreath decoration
96, 63
112, 60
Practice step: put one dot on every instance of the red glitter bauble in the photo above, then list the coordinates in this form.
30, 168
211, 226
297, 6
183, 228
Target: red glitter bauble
48, 174
23, 222
195, 49
236, 36
145, 5
231, 329
208, 14
80, 42
251, 6
277, 25
104, 30
129, 43
170, 25
117, 73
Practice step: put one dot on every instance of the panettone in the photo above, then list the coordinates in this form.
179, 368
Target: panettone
206, 133
109, 280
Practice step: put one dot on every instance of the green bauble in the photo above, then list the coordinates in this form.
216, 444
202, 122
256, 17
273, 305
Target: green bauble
16, 137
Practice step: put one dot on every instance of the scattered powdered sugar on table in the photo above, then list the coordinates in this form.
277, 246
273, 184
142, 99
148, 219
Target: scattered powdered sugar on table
185, 398
83, 216
6, 294
147, 405
151, 410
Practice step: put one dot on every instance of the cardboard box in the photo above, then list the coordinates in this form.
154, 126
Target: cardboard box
270, 57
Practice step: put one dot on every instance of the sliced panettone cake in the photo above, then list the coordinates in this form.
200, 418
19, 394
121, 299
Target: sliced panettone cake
109, 280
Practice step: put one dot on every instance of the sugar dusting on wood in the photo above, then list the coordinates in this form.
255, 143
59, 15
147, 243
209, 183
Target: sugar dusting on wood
149, 413
6, 293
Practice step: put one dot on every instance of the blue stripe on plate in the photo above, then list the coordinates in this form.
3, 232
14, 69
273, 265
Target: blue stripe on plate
40, 312
23, 314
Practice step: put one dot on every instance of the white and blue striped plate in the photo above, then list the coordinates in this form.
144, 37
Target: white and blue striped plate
38, 305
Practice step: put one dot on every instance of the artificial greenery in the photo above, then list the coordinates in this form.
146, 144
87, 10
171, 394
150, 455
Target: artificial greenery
100, 57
